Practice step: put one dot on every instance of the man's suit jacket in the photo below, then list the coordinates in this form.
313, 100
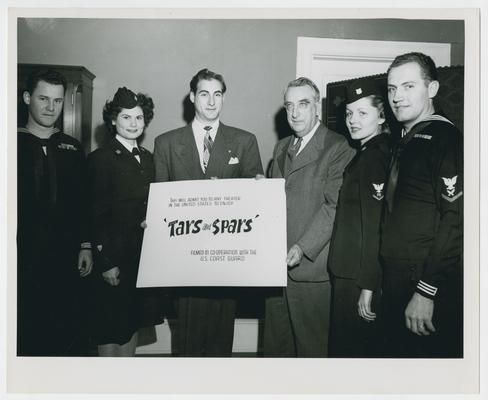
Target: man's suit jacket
206, 330
235, 154
312, 187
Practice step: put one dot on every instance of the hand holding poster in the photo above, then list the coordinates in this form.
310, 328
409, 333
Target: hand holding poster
228, 232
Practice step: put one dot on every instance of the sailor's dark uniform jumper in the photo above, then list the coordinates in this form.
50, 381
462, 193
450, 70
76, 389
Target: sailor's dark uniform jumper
422, 240
51, 225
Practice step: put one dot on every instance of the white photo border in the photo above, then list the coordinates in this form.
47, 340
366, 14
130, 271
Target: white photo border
252, 376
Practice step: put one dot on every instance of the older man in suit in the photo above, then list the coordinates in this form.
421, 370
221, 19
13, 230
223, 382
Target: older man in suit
206, 149
312, 162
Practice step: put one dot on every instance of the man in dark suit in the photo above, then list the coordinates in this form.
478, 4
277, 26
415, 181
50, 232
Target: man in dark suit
53, 248
312, 162
206, 149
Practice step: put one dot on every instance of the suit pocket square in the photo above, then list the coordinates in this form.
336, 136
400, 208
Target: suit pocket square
233, 160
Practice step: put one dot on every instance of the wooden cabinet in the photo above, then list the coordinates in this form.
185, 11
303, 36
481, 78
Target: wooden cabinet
76, 119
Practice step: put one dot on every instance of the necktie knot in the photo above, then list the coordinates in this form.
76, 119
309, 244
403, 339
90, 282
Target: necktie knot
207, 141
293, 150
298, 143
135, 152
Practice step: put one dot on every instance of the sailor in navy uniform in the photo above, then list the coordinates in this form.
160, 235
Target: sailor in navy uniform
53, 248
422, 230
119, 177
354, 251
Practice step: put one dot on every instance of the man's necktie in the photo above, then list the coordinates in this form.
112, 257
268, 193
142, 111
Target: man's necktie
136, 153
207, 147
293, 150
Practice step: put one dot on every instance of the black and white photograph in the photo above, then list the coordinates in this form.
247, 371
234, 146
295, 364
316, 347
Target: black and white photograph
243, 201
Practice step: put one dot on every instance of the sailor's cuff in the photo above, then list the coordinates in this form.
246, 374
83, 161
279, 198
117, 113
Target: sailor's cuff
85, 246
426, 290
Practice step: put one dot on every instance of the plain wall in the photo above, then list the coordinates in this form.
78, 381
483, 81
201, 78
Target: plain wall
158, 57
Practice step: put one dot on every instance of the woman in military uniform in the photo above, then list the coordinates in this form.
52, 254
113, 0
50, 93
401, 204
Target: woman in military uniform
119, 176
353, 257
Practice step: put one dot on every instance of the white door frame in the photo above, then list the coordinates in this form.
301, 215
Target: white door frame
314, 50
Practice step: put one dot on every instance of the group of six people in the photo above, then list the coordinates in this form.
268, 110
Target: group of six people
374, 232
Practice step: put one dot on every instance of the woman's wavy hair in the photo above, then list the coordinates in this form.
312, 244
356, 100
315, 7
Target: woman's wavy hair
378, 102
112, 110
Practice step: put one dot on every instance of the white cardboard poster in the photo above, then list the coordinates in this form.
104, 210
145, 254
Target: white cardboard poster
228, 232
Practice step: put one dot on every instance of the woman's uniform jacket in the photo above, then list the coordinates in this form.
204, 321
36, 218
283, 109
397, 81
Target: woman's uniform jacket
354, 249
119, 190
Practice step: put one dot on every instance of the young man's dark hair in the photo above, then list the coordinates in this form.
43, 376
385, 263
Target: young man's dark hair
427, 65
207, 75
47, 75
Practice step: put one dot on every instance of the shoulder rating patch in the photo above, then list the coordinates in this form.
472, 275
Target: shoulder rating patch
451, 194
378, 187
